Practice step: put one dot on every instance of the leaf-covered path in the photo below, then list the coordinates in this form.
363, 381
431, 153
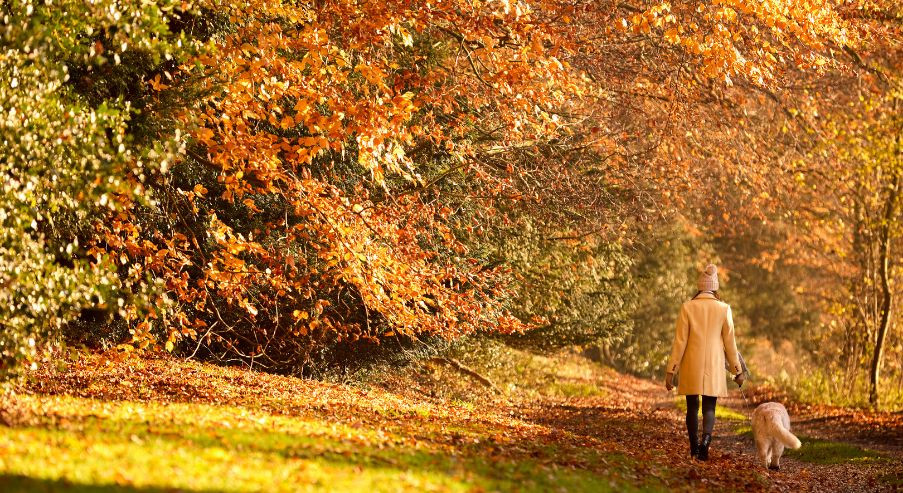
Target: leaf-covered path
843, 450
563, 424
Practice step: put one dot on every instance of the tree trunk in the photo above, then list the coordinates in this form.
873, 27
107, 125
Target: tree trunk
886, 295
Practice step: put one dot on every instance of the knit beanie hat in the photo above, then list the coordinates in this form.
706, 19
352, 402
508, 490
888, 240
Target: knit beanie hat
708, 279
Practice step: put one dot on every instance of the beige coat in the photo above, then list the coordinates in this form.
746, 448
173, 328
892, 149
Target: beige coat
704, 336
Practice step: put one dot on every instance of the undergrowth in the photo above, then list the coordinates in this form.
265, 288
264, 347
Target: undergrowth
819, 386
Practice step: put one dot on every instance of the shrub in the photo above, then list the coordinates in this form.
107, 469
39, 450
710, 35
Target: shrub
66, 161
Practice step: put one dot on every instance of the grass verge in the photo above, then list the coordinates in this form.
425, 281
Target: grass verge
816, 451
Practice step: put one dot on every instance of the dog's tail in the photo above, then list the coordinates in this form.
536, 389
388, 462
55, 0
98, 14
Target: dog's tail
784, 435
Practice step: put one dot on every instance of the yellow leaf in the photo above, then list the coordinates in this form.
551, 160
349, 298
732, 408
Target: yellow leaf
205, 135
671, 36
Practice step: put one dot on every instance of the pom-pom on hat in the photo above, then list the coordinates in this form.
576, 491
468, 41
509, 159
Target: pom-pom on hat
708, 279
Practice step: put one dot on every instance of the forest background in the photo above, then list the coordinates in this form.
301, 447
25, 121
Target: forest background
317, 188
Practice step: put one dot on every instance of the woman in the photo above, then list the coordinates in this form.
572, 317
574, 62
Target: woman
704, 336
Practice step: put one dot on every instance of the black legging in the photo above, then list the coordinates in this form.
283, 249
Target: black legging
708, 414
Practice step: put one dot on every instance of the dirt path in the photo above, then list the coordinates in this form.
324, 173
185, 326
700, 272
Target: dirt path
877, 430
643, 417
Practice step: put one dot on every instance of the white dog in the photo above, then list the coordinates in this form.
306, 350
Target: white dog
771, 429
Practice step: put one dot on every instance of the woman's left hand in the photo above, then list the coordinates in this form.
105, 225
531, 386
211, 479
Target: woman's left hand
669, 378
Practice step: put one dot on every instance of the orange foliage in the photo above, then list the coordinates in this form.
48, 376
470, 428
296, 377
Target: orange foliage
307, 217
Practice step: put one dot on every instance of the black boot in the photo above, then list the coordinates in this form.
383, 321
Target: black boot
704, 446
694, 445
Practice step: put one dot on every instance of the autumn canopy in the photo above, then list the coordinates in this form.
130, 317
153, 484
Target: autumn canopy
299, 186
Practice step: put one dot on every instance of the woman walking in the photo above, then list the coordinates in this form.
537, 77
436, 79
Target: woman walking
704, 337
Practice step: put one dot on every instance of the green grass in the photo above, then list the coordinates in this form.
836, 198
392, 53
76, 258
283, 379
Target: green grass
533, 376
721, 412
824, 386
817, 451
574, 389
745, 431
86, 445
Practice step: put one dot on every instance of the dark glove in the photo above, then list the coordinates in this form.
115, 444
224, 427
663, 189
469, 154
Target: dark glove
669, 378
740, 378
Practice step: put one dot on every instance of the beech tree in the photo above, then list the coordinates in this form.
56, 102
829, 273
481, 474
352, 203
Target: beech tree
287, 179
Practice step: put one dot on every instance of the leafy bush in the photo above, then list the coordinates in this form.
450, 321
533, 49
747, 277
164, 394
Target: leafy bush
67, 161
579, 290
663, 277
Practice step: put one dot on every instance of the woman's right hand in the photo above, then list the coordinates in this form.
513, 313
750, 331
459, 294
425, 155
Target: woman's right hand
669, 379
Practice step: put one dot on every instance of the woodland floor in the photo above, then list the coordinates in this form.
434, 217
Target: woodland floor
558, 423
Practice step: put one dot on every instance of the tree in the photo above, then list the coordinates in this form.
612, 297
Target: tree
825, 206
866, 195
368, 172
